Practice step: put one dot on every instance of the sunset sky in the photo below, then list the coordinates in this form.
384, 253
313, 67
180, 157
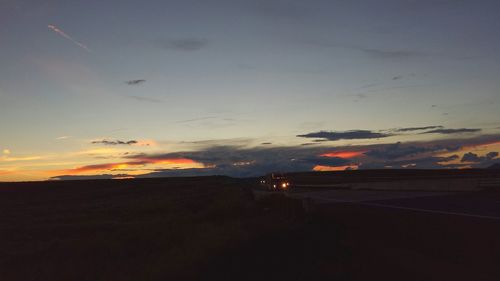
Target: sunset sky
119, 89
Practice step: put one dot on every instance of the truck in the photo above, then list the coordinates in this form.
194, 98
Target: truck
275, 182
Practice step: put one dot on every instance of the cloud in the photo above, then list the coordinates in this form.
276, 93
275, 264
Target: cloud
184, 44
6, 151
399, 150
261, 160
430, 162
135, 82
376, 53
63, 137
452, 131
138, 162
391, 54
89, 177
344, 154
197, 119
472, 157
492, 155
239, 159
7, 158
346, 135
411, 129
116, 142
66, 36
386, 89
139, 98
399, 77
326, 161
221, 160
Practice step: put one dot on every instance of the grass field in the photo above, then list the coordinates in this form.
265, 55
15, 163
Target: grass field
130, 230
211, 228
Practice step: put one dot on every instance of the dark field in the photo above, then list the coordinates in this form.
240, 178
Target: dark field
388, 175
211, 228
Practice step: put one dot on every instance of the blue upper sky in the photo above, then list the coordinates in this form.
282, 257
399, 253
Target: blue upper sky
173, 74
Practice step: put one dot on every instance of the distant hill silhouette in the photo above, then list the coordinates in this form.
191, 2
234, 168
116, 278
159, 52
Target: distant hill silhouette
495, 166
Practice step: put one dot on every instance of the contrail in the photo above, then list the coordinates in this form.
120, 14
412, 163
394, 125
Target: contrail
60, 32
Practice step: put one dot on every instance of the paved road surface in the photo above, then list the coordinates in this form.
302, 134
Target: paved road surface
472, 204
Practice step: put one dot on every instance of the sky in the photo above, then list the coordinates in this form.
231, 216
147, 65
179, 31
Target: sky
120, 89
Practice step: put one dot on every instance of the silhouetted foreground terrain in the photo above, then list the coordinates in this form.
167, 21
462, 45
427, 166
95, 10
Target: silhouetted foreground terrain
388, 175
210, 228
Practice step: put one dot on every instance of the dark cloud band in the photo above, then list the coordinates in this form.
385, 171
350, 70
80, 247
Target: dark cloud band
116, 142
347, 135
452, 131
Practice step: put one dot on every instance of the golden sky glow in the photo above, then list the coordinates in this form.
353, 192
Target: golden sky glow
320, 168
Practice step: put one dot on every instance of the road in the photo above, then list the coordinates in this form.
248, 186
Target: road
412, 235
484, 205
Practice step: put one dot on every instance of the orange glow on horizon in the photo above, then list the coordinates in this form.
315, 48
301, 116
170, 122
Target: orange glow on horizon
344, 154
2, 172
182, 162
173, 161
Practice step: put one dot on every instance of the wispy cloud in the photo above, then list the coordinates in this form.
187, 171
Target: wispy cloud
391, 54
184, 44
145, 99
412, 129
399, 77
7, 158
376, 53
452, 131
135, 82
197, 119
